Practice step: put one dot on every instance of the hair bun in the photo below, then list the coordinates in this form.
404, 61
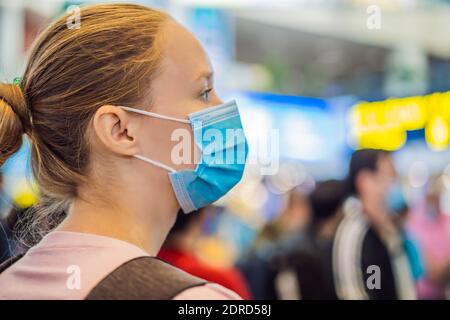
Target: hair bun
12, 95
14, 119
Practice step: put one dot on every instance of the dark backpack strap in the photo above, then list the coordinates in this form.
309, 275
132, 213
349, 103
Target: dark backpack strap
144, 278
8, 263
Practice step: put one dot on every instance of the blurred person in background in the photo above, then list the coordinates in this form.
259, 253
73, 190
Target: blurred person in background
11, 225
2, 201
5, 233
401, 214
326, 203
304, 263
14, 215
181, 246
256, 264
369, 259
293, 219
101, 154
431, 227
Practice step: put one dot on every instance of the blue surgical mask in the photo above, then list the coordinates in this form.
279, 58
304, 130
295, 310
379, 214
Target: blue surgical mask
219, 135
396, 200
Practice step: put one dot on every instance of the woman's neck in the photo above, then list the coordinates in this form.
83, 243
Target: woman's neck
145, 225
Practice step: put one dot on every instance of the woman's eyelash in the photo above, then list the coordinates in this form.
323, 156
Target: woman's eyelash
206, 93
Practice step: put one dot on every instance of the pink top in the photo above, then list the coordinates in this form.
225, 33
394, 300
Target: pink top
68, 265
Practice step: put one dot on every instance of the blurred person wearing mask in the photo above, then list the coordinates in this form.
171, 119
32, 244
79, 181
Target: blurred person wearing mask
102, 154
303, 263
256, 264
431, 227
182, 244
369, 260
401, 214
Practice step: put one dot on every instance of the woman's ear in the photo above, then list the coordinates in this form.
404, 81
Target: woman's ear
116, 130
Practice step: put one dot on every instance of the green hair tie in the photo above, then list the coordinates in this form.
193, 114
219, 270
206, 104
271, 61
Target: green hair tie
18, 82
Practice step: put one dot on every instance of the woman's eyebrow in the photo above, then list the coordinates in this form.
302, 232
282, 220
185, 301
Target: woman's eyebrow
208, 75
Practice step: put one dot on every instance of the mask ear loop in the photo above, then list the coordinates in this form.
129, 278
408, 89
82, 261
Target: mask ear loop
155, 163
159, 116
154, 115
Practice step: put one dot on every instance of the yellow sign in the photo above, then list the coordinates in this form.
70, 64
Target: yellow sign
384, 124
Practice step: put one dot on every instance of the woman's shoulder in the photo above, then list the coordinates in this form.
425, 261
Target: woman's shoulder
209, 291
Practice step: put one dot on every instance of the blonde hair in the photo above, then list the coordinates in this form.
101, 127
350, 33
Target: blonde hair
111, 59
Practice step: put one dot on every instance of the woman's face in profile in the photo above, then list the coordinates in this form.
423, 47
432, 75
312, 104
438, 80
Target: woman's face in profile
184, 84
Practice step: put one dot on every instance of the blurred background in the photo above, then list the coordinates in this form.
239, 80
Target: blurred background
327, 77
